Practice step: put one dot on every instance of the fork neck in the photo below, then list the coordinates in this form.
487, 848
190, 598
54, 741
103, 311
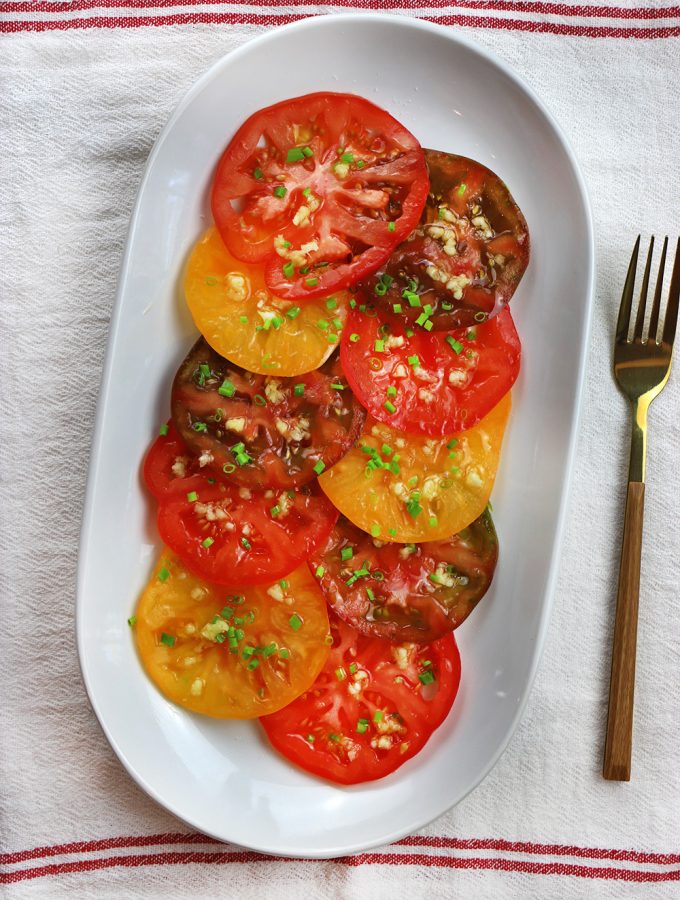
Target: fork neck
638, 443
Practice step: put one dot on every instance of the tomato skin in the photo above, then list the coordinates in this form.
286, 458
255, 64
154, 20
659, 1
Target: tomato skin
364, 171
170, 469
469, 253
423, 489
419, 592
450, 390
333, 708
286, 438
194, 665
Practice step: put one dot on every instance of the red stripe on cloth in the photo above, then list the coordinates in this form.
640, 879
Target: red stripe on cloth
564, 29
411, 859
114, 843
528, 6
662, 859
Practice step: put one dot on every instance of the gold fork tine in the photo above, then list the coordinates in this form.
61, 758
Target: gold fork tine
656, 305
671, 319
640, 318
627, 297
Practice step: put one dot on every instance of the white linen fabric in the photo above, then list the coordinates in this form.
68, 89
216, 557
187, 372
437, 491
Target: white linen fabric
79, 111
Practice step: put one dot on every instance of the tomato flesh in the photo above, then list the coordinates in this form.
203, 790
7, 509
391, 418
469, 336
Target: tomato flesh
468, 254
230, 656
245, 322
436, 384
373, 706
261, 430
228, 534
326, 186
406, 592
410, 488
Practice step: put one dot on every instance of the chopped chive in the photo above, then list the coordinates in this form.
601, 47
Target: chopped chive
337, 323
426, 677
360, 164
307, 191
396, 307
480, 316
322, 324
340, 673
311, 738
295, 154
390, 407
392, 532
380, 289
227, 388
362, 726
379, 346
163, 430
253, 664
334, 737
243, 320
352, 668
319, 467
462, 189
293, 312
432, 521
200, 426
167, 639
354, 337
414, 361
284, 653
352, 303
391, 226
275, 511
163, 574
409, 332
375, 530
386, 450
347, 157
259, 400
295, 622
378, 715
280, 191
277, 322
346, 553
391, 391
413, 508
452, 443
320, 571
455, 345
192, 496
246, 543
132, 621
332, 338
311, 282
308, 151
331, 303
413, 299
337, 386
289, 270
258, 174
422, 319
228, 468
429, 325
208, 542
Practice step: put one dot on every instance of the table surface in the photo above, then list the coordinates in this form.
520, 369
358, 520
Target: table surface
87, 87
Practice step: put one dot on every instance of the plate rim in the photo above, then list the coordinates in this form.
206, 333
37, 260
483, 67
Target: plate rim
259, 41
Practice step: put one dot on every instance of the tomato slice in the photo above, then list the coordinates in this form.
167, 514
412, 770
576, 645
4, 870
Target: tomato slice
406, 592
374, 705
171, 470
467, 256
230, 657
322, 188
261, 430
409, 488
434, 384
241, 319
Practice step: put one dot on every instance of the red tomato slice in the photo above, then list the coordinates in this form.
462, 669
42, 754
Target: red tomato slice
468, 254
322, 188
406, 592
429, 383
228, 534
237, 537
374, 705
170, 469
264, 431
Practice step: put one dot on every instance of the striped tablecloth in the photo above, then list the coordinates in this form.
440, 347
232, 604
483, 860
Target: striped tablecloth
86, 87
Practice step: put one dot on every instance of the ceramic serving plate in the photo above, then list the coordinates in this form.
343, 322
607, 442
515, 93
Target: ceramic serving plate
222, 777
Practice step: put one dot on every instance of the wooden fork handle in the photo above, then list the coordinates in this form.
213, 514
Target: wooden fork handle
617, 752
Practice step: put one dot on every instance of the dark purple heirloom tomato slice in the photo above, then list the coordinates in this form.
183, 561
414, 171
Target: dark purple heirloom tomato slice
261, 430
320, 189
467, 256
373, 706
429, 383
406, 592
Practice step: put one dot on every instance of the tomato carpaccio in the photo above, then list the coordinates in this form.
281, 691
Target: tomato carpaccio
264, 431
463, 263
406, 592
429, 383
321, 189
226, 533
374, 705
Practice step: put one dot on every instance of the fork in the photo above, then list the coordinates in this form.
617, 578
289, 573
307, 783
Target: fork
641, 369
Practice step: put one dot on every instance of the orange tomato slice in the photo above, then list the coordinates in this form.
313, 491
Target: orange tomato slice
278, 642
243, 321
410, 488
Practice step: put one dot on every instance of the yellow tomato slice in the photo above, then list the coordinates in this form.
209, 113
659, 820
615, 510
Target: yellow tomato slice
435, 489
277, 646
243, 321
